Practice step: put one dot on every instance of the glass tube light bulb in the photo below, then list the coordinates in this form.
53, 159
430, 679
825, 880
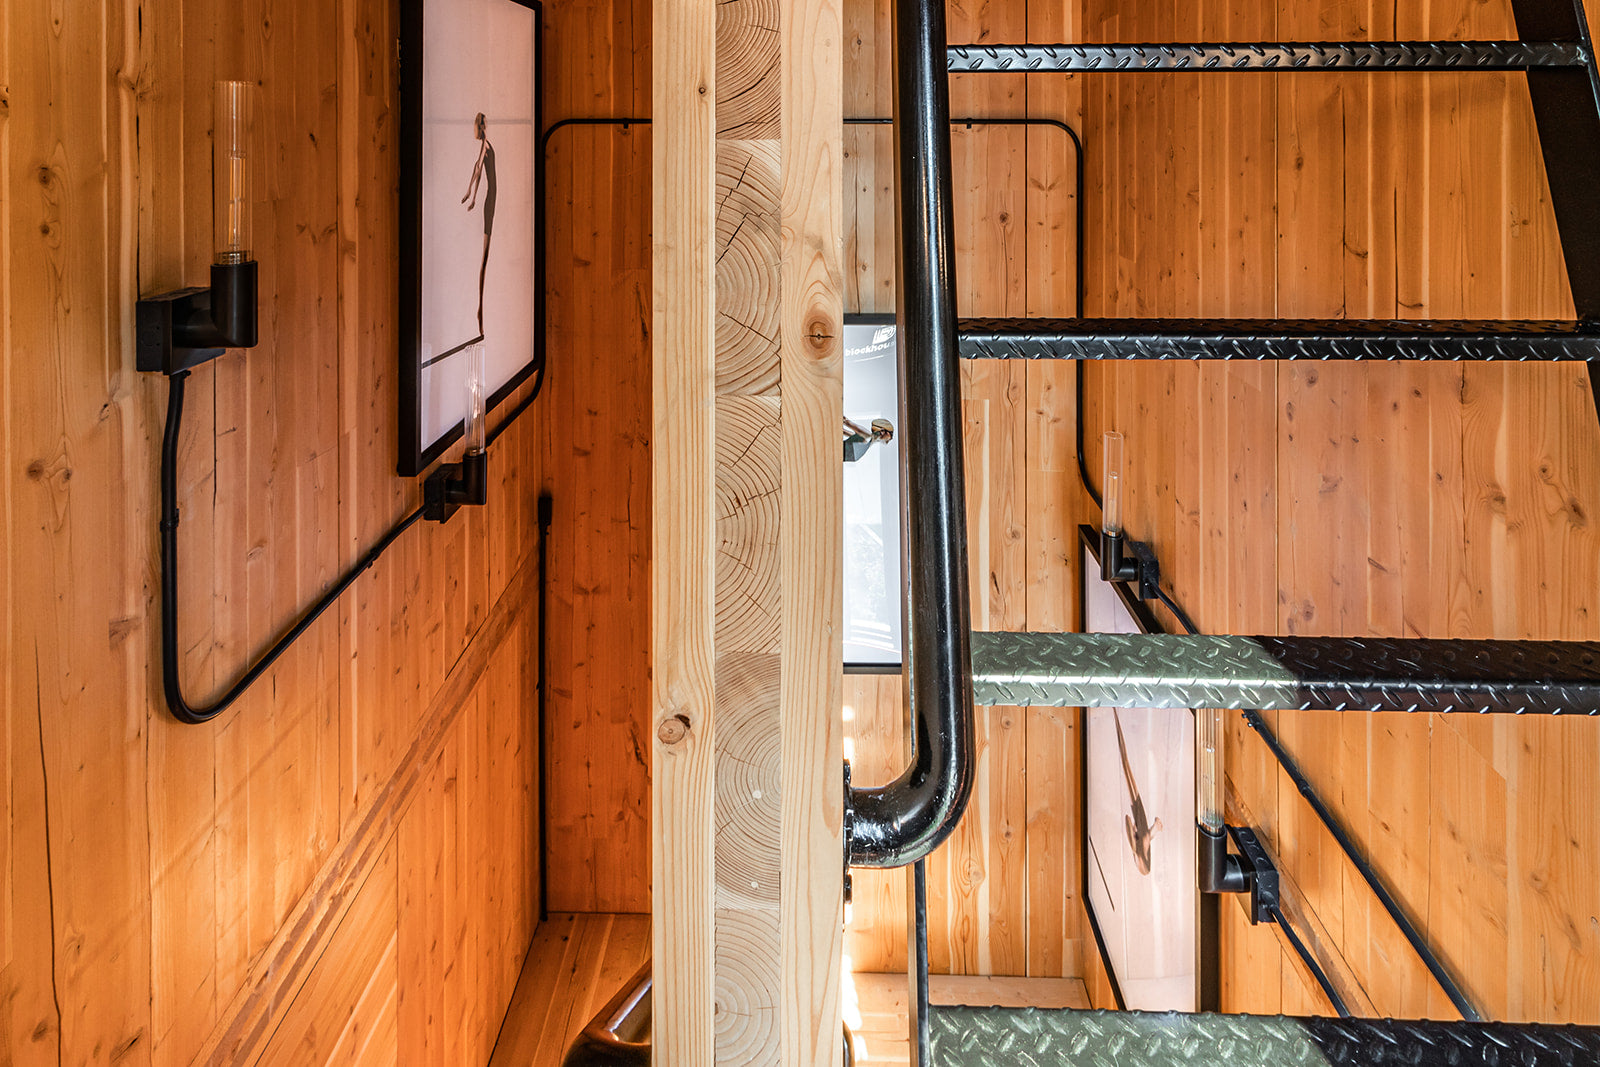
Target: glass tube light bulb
1208, 734
473, 422
1111, 511
233, 117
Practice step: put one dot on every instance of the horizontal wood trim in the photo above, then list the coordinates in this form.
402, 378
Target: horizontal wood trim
985, 991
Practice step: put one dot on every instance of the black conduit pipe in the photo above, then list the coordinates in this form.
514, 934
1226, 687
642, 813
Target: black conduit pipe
919, 889
894, 826
1083, 464
897, 824
180, 707
1311, 963
546, 517
171, 682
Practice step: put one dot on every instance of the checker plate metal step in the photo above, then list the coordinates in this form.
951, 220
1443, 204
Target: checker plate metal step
995, 1037
1279, 339
1340, 674
1263, 57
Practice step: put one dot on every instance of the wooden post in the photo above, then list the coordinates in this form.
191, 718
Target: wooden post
748, 562
812, 333
683, 371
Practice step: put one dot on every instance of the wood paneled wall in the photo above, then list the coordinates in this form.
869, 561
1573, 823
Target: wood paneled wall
1002, 893
1439, 501
596, 457
340, 868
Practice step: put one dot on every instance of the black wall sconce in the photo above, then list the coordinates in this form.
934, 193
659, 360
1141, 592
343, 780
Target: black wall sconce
187, 327
1122, 560
180, 330
1249, 870
464, 484
183, 329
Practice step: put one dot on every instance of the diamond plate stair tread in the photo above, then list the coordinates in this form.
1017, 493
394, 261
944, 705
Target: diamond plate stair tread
1365, 674
1282, 57
1279, 339
1033, 1037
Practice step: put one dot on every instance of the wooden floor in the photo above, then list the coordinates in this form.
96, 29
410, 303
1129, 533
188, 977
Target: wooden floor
578, 961
575, 965
875, 1005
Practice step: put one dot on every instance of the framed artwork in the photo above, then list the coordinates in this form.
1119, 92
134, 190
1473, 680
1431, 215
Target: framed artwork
872, 638
1140, 862
469, 211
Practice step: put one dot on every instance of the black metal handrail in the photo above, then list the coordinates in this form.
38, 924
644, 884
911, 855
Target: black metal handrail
897, 824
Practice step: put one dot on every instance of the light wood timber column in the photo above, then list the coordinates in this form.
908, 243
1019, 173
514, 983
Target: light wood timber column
683, 373
737, 604
749, 476
812, 900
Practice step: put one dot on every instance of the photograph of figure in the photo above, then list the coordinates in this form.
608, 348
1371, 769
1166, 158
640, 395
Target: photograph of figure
1140, 786
474, 186
858, 440
483, 175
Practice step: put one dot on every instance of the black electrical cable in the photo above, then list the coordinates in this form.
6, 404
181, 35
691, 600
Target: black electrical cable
1083, 464
524, 405
1311, 964
1178, 613
1374, 882
546, 518
172, 685
181, 709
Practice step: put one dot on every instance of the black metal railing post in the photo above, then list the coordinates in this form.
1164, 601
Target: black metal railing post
899, 823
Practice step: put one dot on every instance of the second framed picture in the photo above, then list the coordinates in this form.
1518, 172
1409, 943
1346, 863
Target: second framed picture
1140, 858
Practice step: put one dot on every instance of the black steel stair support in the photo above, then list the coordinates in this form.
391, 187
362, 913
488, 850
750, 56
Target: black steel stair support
1566, 113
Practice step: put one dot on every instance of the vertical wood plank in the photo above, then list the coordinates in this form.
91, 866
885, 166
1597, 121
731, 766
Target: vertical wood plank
596, 452
811, 901
79, 433
683, 309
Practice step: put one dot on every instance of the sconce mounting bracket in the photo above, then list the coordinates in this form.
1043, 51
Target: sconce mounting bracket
179, 330
1262, 874
454, 485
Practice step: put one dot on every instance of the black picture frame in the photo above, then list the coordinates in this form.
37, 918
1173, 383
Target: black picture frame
416, 455
1208, 960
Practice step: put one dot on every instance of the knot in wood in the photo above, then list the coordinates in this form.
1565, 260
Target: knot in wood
673, 730
819, 331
